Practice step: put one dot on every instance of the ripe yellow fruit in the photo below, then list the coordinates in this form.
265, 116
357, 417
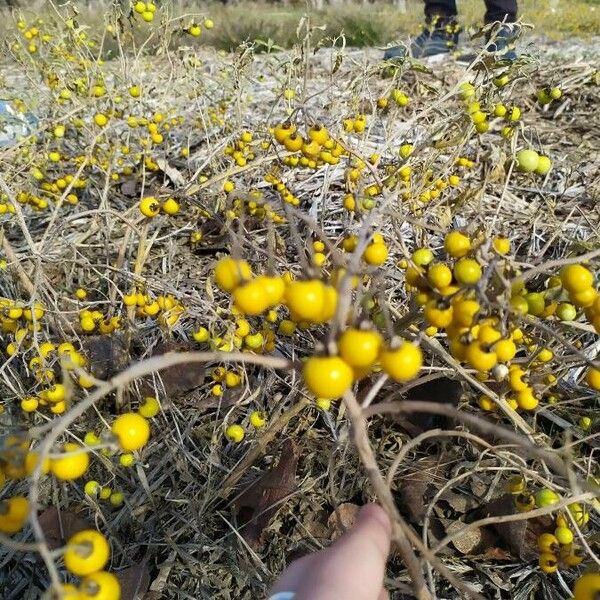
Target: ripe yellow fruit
229, 273
403, 363
526, 399
439, 275
306, 299
150, 408
273, 288
467, 271
501, 245
327, 377
480, 358
548, 543
100, 119
375, 254
13, 514
438, 314
592, 378
457, 244
505, 350
422, 257
527, 160
131, 430
250, 298
149, 206
258, 419
72, 464
235, 433
564, 535
359, 348
170, 206
544, 165
576, 278
587, 587
101, 585
548, 562
87, 552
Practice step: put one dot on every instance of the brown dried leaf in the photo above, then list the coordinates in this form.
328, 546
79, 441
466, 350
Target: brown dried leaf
59, 526
342, 518
177, 379
107, 355
519, 536
134, 581
259, 504
467, 542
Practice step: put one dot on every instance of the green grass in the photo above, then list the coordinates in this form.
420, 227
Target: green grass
273, 25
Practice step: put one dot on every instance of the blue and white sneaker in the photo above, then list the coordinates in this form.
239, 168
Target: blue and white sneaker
439, 36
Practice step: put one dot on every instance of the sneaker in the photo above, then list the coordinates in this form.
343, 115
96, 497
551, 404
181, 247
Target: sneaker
501, 41
439, 36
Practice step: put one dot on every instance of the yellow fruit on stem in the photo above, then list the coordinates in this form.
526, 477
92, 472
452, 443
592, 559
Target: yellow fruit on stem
457, 244
527, 160
100, 586
359, 348
131, 430
229, 273
402, 363
327, 376
72, 464
87, 552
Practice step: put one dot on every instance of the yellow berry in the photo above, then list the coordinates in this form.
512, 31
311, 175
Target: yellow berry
327, 376
235, 433
101, 585
258, 419
72, 464
87, 552
402, 363
131, 430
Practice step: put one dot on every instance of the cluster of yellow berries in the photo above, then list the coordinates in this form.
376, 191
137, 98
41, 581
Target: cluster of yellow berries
86, 555
241, 151
529, 161
146, 10
282, 190
150, 206
254, 206
315, 302
397, 96
167, 310
93, 489
222, 377
559, 549
130, 431
236, 432
317, 148
547, 94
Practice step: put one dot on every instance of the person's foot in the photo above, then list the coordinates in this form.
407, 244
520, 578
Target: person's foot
501, 41
440, 36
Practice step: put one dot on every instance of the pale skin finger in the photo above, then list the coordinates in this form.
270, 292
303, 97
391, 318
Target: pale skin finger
351, 569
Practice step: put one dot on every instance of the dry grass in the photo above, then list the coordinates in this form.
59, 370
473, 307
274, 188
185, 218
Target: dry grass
179, 518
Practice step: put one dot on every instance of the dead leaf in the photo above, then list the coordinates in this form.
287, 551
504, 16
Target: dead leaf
519, 536
107, 355
315, 524
177, 379
467, 542
257, 506
342, 518
59, 526
134, 581
416, 485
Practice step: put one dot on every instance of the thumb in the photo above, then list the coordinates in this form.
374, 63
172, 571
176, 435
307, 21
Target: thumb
353, 567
